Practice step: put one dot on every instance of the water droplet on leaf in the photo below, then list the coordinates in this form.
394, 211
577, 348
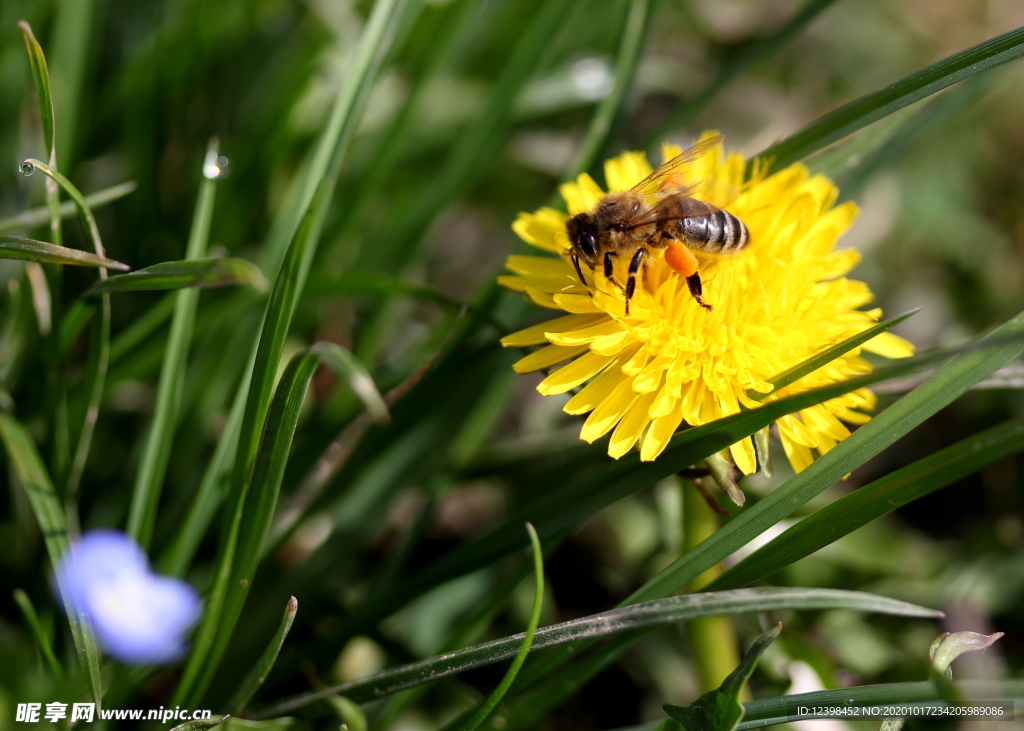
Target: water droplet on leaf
215, 167
26, 168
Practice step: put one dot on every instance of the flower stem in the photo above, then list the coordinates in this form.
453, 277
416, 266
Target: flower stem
712, 639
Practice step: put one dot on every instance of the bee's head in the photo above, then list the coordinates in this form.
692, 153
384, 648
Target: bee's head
582, 235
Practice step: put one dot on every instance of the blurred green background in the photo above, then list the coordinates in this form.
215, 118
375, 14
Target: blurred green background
139, 89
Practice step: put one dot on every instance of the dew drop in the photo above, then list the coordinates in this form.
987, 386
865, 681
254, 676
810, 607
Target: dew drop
26, 168
215, 167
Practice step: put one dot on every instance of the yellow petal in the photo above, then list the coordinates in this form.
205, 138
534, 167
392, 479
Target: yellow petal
596, 391
546, 357
540, 266
632, 425
626, 170
608, 412
743, 454
544, 299
573, 374
534, 335
544, 229
587, 334
578, 303
889, 346
581, 195
659, 434
799, 456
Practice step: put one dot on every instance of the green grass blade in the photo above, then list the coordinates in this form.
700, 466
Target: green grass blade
498, 693
826, 356
771, 711
27, 465
41, 77
29, 612
316, 196
200, 725
761, 50
156, 451
875, 500
617, 621
254, 680
347, 367
186, 274
35, 217
267, 473
630, 46
874, 106
211, 490
12, 247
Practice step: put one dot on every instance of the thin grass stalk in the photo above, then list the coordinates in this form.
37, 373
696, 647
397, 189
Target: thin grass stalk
498, 693
156, 449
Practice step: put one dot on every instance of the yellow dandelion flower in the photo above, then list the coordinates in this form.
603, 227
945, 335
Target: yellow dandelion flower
777, 303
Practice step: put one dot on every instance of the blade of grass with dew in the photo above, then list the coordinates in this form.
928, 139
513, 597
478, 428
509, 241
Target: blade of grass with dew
47, 286
98, 370
600, 126
12, 247
873, 501
35, 217
771, 711
254, 680
759, 51
41, 77
314, 199
941, 389
481, 713
28, 466
874, 106
616, 621
826, 356
156, 450
186, 274
45, 651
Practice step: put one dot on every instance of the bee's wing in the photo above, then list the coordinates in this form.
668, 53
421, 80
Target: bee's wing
678, 165
689, 201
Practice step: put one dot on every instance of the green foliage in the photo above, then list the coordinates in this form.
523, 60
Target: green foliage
720, 709
378, 152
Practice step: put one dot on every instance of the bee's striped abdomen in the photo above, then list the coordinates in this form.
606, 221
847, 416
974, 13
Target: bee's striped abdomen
716, 233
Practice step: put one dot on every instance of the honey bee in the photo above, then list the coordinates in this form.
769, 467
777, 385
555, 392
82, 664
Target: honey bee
658, 214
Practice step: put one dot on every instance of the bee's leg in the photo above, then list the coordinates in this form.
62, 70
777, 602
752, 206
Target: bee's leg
682, 260
609, 269
576, 263
634, 267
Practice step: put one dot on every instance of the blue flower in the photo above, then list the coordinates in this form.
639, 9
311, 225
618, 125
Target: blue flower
138, 616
